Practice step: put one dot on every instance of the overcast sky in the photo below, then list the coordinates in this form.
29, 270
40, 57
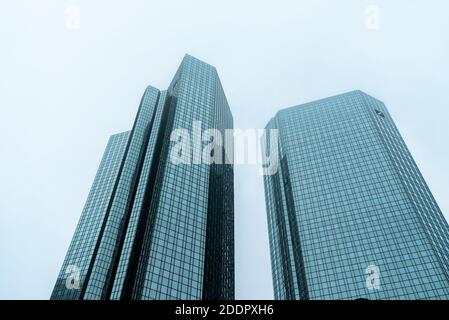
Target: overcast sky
65, 87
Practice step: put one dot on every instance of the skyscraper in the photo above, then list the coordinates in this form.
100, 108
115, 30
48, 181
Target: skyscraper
150, 228
349, 214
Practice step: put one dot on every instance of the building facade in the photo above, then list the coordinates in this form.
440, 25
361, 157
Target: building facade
349, 213
151, 228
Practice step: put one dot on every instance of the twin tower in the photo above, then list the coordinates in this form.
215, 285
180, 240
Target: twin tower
349, 214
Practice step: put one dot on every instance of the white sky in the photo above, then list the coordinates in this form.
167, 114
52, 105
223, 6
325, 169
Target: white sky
63, 92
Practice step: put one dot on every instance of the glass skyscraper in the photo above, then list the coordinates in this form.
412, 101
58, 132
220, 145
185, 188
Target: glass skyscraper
349, 214
150, 228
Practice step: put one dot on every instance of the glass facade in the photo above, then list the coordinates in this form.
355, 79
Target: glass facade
153, 229
349, 214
